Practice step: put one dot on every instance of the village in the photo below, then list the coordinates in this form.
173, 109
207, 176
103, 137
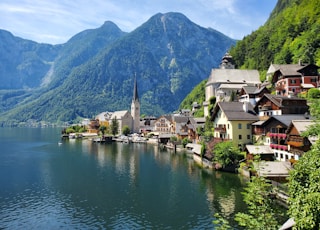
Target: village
245, 111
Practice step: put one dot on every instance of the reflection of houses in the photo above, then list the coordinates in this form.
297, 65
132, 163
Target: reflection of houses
232, 120
270, 105
227, 80
272, 132
294, 78
298, 144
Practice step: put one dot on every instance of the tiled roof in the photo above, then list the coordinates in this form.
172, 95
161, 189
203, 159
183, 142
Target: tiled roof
259, 149
235, 111
234, 76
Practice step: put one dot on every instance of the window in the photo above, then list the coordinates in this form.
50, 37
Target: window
240, 137
239, 126
281, 156
228, 126
248, 137
248, 126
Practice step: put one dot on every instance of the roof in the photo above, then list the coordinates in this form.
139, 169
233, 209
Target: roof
259, 149
290, 69
302, 125
232, 86
278, 99
119, 114
234, 111
272, 168
234, 76
307, 86
253, 89
284, 119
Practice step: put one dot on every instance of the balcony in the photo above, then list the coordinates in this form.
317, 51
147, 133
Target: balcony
220, 129
278, 135
279, 147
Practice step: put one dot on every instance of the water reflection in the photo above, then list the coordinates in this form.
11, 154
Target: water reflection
86, 185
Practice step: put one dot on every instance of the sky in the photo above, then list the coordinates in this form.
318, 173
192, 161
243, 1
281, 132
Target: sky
56, 21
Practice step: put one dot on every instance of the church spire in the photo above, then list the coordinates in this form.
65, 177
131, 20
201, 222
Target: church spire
135, 90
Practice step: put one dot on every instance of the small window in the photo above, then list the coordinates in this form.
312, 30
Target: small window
248, 137
239, 126
240, 137
248, 126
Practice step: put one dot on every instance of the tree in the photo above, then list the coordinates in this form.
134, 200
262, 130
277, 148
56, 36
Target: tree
313, 93
185, 141
304, 189
261, 214
114, 126
226, 153
102, 129
126, 130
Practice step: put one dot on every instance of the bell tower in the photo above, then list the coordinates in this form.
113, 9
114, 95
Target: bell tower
135, 109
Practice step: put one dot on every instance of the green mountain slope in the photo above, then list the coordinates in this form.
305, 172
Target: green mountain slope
292, 33
168, 54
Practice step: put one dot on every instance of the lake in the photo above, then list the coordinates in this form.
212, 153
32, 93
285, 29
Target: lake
85, 185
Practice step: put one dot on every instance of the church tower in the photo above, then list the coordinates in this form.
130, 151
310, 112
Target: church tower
135, 109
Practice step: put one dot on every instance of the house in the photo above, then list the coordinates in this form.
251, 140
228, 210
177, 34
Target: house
163, 125
226, 80
123, 118
263, 151
272, 133
252, 94
297, 144
232, 121
273, 170
291, 79
270, 105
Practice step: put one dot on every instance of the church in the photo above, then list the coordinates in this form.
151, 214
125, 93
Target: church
124, 117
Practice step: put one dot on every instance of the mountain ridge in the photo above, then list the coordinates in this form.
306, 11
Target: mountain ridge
169, 59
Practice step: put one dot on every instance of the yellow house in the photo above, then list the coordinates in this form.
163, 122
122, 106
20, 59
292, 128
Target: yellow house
232, 121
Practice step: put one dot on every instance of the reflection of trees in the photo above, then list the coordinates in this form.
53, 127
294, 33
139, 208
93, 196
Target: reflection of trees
223, 192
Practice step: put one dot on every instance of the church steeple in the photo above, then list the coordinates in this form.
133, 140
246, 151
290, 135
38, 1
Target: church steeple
135, 90
135, 108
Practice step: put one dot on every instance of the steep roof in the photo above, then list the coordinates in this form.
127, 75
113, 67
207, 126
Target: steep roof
278, 99
119, 114
234, 76
234, 111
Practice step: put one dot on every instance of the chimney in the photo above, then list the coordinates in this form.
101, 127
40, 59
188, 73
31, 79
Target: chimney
245, 106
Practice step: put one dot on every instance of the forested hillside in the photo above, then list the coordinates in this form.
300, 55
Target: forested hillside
292, 33
94, 71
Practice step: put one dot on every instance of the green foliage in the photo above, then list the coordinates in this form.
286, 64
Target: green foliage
196, 95
173, 138
185, 141
221, 223
261, 214
304, 189
114, 127
225, 153
126, 130
102, 129
313, 93
292, 33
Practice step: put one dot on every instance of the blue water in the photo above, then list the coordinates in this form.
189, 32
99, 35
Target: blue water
84, 185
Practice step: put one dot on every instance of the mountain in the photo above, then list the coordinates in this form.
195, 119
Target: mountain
94, 70
291, 33
23, 63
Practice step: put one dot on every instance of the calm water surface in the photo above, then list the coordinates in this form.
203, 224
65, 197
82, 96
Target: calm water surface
84, 185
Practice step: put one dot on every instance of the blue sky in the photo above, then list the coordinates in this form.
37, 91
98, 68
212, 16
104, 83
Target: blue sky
56, 21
